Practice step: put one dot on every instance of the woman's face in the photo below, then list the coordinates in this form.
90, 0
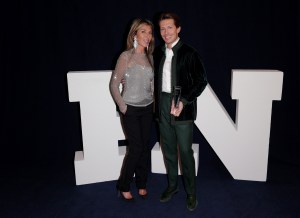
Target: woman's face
144, 36
168, 31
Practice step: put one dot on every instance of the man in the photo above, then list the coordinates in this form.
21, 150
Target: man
177, 64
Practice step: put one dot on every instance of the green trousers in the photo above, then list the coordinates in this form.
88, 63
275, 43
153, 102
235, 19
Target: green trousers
177, 140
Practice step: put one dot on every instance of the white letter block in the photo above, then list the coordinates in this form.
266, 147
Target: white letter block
243, 146
101, 158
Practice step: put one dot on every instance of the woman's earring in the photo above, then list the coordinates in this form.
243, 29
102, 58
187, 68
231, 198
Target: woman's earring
135, 43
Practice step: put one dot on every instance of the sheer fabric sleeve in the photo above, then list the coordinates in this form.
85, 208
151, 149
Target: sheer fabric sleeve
152, 82
116, 77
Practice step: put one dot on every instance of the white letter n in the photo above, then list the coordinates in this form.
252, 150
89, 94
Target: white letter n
243, 146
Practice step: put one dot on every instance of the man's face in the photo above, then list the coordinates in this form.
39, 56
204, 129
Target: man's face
168, 31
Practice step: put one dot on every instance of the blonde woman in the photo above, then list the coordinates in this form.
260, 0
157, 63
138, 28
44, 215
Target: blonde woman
135, 66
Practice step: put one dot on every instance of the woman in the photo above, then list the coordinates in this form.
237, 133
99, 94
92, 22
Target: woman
135, 66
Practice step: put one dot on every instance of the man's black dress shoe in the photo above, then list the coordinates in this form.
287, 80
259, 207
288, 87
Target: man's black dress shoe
191, 202
168, 194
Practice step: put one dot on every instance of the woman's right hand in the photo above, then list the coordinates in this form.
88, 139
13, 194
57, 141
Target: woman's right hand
123, 109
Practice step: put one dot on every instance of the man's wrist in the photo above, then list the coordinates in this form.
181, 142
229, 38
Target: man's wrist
184, 101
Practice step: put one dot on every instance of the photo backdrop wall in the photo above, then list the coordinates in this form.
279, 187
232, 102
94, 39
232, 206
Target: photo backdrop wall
43, 40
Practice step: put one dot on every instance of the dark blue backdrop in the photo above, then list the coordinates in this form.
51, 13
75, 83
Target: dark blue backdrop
42, 40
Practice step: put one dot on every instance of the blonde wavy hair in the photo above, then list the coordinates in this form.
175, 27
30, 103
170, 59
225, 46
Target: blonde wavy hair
135, 26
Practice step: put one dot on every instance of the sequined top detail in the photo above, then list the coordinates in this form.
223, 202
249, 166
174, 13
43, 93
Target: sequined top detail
138, 74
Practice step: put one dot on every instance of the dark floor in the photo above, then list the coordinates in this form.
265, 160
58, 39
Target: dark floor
44, 191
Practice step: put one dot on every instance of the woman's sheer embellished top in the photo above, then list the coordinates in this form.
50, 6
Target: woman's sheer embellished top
138, 74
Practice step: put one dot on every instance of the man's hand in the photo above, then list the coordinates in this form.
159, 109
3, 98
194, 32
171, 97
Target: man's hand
176, 111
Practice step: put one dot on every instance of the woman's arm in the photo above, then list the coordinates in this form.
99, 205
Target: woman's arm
116, 77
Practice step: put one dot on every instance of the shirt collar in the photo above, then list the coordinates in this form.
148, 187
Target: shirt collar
174, 43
